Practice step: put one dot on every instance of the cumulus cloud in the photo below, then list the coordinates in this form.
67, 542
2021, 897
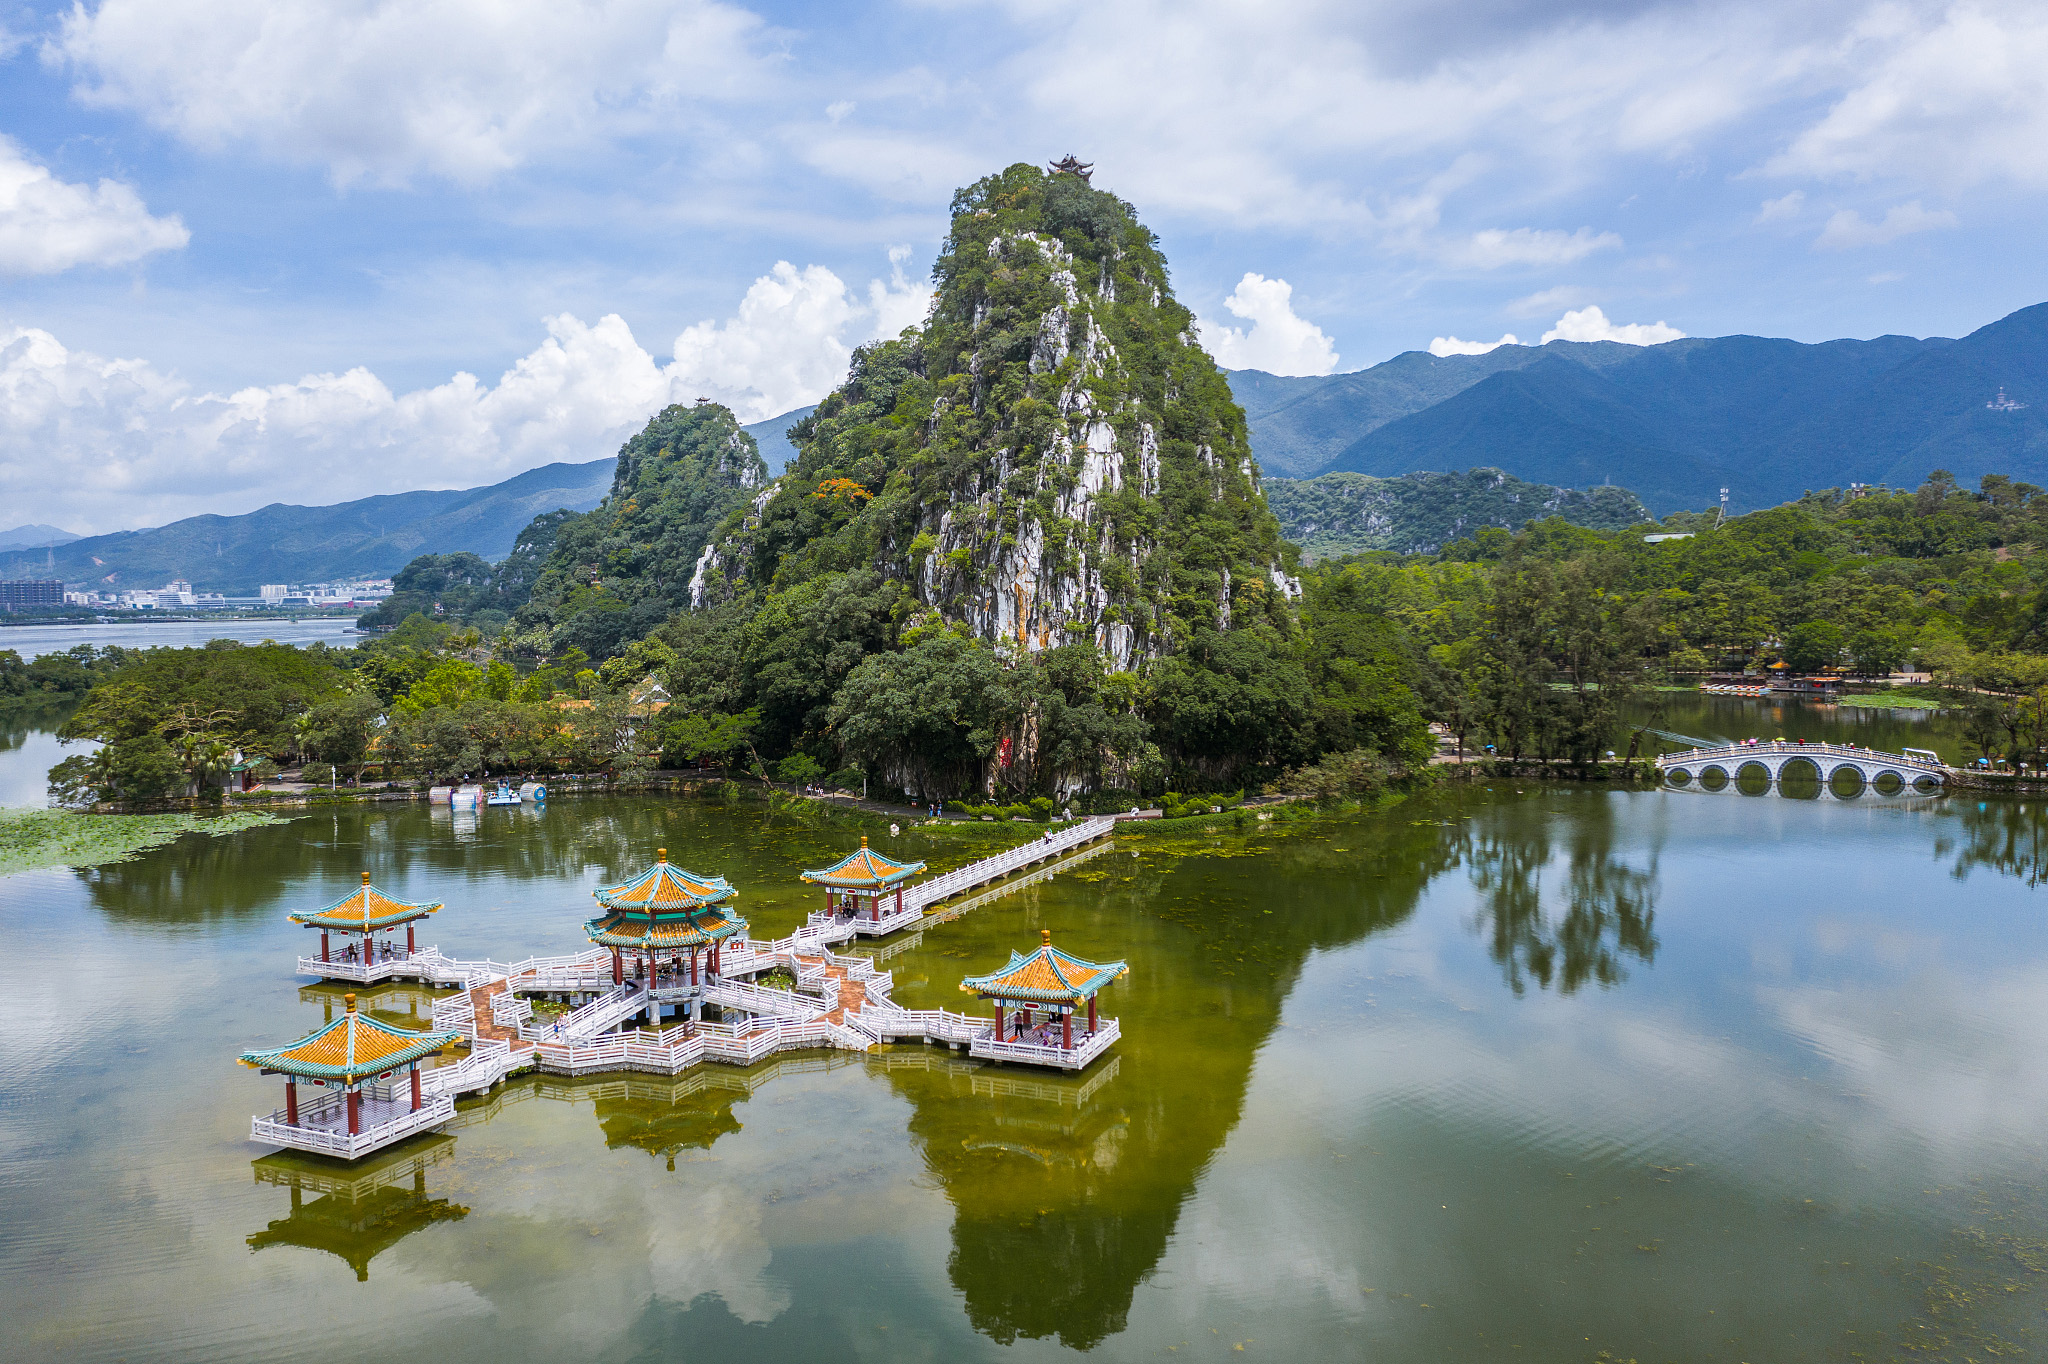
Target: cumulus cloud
1451, 345
105, 444
1497, 247
1950, 94
1849, 229
1590, 324
1785, 206
1279, 341
48, 225
384, 90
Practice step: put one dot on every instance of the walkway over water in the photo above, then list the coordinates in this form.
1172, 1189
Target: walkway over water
1913, 767
837, 1002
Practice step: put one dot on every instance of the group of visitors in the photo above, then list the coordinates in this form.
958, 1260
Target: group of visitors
370, 953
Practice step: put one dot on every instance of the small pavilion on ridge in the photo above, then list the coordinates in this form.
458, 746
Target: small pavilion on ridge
1058, 983
356, 1061
870, 874
366, 912
657, 917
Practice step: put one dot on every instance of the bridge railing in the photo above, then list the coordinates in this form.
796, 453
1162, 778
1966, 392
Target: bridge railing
1781, 748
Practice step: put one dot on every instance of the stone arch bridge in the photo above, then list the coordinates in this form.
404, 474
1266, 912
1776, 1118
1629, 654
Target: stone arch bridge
1914, 768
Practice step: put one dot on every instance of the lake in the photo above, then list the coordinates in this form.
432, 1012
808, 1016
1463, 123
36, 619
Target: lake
1536, 1073
33, 641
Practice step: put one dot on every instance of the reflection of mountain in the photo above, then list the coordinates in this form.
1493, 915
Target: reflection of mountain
1064, 1200
1609, 909
360, 1214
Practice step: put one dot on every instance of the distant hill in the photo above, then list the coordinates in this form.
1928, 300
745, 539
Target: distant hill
372, 537
1421, 513
1766, 418
776, 451
34, 537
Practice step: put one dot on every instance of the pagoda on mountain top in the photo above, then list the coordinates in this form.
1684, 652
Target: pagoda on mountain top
865, 872
356, 1060
1057, 982
658, 916
365, 911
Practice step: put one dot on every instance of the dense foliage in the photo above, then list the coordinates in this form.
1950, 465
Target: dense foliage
1419, 513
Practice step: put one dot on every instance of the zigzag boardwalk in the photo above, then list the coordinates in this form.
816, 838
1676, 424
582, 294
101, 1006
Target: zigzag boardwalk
838, 1002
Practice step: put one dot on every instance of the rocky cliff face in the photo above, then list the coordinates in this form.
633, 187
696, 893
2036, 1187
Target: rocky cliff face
1051, 458
620, 570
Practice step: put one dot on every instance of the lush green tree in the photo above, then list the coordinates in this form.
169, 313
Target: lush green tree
1815, 645
925, 717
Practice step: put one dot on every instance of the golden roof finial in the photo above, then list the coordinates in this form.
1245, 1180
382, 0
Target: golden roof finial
366, 878
350, 1000
661, 854
863, 840
1046, 933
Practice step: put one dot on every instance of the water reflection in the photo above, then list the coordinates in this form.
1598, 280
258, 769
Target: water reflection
359, 1211
1609, 906
2005, 836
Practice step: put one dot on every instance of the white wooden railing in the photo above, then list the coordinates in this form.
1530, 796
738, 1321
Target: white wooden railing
350, 1146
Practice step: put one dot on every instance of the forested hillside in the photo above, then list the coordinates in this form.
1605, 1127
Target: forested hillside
1766, 418
1419, 513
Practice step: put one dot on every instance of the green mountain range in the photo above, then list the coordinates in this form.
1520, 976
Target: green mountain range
1767, 419
372, 537
1345, 513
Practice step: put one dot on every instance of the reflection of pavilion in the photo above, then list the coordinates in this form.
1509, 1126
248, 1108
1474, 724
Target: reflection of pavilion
362, 914
360, 1215
865, 873
657, 918
1052, 980
362, 1105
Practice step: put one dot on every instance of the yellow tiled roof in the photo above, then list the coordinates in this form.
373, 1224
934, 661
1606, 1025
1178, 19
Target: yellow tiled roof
665, 886
864, 867
1048, 975
349, 1048
366, 908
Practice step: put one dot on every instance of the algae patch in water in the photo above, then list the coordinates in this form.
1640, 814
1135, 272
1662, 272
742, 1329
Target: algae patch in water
30, 839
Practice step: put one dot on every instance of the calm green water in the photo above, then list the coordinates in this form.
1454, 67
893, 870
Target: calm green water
1514, 1074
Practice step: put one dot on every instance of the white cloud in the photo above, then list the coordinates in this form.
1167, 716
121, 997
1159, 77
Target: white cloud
1590, 324
48, 225
1546, 301
1451, 345
1497, 247
1947, 94
1785, 206
99, 444
1279, 341
383, 90
1849, 229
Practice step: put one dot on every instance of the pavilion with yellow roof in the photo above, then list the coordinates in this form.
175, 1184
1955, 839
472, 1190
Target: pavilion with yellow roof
356, 1061
365, 912
1053, 980
656, 917
867, 873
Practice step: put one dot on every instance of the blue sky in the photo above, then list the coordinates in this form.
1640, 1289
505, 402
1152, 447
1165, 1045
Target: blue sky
303, 252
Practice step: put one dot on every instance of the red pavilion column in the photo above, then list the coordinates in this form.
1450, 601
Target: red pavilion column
1091, 1015
355, 1110
415, 1086
323, 945
291, 1100
411, 944
693, 966
899, 899
618, 968
1067, 1029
